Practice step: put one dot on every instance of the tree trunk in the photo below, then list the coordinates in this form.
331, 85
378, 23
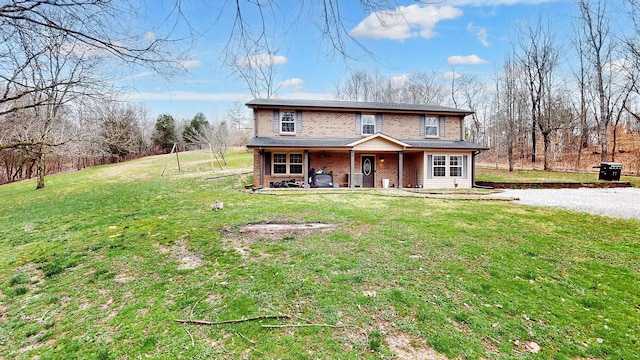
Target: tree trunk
603, 143
547, 144
510, 155
40, 170
533, 142
615, 140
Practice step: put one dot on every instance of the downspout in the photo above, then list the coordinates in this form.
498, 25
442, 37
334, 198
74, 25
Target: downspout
473, 171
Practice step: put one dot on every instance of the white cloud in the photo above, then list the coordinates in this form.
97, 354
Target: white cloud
404, 22
143, 74
262, 60
497, 2
452, 75
190, 64
618, 71
481, 33
399, 80
294, 82
466, 60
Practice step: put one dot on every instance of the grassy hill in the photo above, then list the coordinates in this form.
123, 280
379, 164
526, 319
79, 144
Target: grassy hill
101, 264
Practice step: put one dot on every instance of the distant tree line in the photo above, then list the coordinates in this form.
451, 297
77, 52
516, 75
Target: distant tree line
58, 110
547, 104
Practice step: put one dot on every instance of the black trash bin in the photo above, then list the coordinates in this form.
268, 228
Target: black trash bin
610, 171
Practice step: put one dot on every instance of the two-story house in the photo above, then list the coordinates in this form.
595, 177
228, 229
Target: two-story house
362, 144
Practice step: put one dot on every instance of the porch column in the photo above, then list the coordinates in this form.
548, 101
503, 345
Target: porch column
400, 167
352, 167
305, 168
261, 177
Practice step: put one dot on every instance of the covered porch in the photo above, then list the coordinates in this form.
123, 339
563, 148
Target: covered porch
376, 161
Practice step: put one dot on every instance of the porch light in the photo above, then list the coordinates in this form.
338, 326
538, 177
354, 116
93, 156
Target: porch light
381, 159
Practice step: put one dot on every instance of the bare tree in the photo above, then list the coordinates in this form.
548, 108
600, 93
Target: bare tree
417, 88
50, 51
56, 75
92, 27
582, 79
467, 92
599, 47
539, 58
120, 134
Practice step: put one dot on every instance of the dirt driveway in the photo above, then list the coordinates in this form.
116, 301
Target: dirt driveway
617, 202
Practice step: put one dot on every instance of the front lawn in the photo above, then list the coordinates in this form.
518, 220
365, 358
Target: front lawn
101, 263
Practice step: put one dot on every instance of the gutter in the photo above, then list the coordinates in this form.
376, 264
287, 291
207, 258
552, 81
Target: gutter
473, 172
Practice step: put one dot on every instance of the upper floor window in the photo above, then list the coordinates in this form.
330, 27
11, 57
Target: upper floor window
431, 126
288, 121
368, 124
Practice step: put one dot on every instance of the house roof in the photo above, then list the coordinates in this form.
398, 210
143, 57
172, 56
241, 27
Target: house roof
356, 105
346, 143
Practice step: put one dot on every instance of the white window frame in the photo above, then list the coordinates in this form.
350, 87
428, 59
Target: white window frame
368, 120
277, 161
287, 163
439, 162
291, 163
457, 165
288, 118
435, 125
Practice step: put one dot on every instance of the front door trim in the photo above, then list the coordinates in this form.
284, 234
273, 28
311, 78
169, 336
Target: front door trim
368, 167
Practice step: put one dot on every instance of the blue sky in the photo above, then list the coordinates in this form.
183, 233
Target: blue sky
466, 36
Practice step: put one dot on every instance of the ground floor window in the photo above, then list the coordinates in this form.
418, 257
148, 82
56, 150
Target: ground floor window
447, 166
295, 163
284, 164
455, 165
439, 165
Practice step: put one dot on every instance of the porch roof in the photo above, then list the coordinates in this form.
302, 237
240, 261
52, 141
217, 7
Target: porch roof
347, 143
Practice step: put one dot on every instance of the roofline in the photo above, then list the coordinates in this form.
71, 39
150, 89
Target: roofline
379, 135
355, 105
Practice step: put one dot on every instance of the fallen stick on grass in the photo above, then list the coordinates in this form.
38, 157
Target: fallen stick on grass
233, 321
307, 325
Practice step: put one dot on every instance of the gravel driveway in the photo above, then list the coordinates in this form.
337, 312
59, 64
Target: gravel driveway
616, 202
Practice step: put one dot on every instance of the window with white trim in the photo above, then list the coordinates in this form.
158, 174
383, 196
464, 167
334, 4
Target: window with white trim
279, 163
439, 165
431, 126
368, 124
295, 163
288, 121
284, 164
455, 165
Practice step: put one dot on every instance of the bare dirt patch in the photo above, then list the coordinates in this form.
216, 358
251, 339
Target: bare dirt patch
240, 238
279, 230
408, 347
186, 259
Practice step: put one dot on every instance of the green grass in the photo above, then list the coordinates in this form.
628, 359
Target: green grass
96, 266
493, 174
